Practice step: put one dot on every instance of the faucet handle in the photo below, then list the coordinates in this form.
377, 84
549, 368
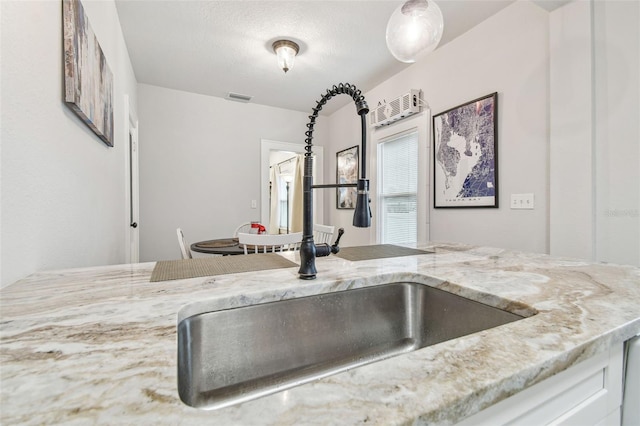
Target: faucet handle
334, 248
340, 234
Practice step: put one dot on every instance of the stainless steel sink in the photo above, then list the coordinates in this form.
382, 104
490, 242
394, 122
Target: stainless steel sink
231, 356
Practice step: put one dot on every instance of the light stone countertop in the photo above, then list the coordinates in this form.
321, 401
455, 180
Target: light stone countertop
98, 345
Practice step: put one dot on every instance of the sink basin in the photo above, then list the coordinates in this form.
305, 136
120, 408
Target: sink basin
235, 355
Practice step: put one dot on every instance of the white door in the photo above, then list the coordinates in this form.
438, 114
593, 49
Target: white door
132, 187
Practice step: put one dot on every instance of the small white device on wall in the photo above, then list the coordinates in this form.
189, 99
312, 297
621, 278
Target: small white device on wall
399, 108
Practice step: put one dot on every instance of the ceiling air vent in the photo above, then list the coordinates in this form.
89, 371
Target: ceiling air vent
238, 97
399, 108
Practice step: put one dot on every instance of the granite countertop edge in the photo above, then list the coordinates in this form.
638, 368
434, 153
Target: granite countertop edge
99, 344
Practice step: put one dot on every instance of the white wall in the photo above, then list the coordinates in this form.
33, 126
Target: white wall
617, 131
571, 134
508, 54
63, 189
595, 131
200, 164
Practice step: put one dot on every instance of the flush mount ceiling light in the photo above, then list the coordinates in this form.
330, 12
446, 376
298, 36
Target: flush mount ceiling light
286, 50
415, 28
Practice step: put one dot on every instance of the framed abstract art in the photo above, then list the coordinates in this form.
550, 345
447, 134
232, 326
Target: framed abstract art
88, 81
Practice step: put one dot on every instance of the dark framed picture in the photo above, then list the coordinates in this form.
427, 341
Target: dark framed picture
347, 172
465, 155
88, 81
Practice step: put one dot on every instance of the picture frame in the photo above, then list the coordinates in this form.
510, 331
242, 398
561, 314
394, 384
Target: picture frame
347, 169
88, 80
465, 155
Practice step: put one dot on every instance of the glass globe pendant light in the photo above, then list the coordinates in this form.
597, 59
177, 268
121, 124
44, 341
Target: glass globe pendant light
415, 28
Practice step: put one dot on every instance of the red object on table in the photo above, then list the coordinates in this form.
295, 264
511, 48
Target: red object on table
256, 228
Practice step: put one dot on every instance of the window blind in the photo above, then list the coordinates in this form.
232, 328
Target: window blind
398, 186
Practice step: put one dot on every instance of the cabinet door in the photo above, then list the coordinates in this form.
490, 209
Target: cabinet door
589, 393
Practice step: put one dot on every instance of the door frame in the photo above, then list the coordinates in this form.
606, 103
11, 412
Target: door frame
266, 146
132, 184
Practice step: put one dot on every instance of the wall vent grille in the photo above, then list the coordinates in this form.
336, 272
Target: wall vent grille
238, 97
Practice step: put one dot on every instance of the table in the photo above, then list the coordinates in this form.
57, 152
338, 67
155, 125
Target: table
223, 246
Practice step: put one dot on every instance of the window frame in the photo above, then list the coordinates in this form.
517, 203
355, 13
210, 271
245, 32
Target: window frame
421, 122
413, 194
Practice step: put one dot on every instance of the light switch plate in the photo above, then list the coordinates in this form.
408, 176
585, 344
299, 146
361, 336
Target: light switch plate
522, 201
254, 204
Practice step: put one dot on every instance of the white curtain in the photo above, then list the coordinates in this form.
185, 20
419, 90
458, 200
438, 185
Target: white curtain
274, 214
296, 199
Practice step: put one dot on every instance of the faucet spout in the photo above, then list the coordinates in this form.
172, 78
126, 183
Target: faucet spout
362, 215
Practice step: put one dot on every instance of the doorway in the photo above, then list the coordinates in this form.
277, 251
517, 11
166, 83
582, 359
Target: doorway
269, 146
285, 191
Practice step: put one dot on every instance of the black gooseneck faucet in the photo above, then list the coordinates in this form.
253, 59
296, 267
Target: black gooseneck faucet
362, 215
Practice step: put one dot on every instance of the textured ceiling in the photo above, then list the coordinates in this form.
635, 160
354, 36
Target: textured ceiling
216, 47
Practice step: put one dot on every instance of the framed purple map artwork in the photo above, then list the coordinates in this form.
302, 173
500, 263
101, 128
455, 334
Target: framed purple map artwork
465, 157
88, 81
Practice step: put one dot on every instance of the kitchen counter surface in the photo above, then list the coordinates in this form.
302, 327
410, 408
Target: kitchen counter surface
98, 345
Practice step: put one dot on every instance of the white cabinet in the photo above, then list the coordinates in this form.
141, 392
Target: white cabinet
589, 393
631, 401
